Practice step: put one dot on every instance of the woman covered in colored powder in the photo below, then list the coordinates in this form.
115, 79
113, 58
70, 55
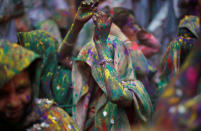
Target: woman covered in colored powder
55, 78
179, 49
19, 87
142, 45
180, 104
107, 94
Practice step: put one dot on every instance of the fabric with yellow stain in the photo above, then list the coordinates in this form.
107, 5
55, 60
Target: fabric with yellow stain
55, 79
109, 111
41, 114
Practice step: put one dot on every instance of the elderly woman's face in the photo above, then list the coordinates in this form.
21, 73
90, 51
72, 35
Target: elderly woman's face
15, 97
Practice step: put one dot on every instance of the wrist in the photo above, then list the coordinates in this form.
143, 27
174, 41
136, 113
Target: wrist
99, 40
73, 32
100, 44
79, 21
77, 26
103, 51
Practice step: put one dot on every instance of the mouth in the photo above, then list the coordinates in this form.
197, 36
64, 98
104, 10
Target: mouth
14, 115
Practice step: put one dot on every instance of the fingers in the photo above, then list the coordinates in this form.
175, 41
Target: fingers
90, 4
97, 15
95, 9
101, 13
83, 4
101, 20
103, 17
94, 20
109, 20
96, 2
86, 4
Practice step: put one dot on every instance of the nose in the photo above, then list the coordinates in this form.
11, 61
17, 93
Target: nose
13, 102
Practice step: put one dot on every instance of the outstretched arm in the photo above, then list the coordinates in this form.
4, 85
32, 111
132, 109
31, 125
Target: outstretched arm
84, 13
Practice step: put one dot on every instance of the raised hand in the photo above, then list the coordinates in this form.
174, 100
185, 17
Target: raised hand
84, 13
102, 26
86, 10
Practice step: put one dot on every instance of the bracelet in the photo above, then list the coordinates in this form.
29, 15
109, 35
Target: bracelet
102, 62
69, 44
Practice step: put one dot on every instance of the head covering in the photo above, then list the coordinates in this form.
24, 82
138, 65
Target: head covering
43, 44
192, 23
179, 106
41, 114
15, 59
55, 79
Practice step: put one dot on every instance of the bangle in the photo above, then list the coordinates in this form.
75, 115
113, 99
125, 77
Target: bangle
65, 45
102, 62
69, 44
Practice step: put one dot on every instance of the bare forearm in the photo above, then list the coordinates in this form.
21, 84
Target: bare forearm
69, 41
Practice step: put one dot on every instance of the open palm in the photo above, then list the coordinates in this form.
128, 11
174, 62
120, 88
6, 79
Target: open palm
102, 26
86, 10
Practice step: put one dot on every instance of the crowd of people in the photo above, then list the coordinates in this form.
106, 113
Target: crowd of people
100, 65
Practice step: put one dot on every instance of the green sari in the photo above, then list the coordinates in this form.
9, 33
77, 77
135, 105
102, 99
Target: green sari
55, 79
